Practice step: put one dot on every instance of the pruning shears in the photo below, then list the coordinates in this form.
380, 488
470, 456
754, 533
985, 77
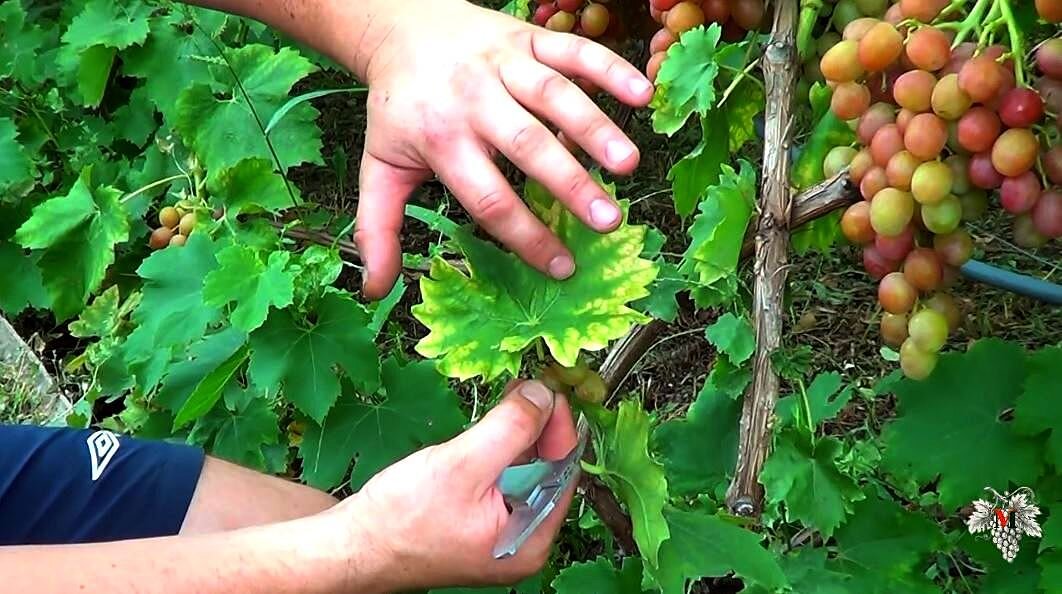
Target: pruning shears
533, 489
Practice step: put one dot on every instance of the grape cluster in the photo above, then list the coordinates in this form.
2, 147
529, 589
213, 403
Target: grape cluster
938, 127
1005, 537
175, 225
837, 16
678, 16
588, 19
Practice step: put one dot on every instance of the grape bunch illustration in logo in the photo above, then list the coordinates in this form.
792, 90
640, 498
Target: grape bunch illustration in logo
1006, 519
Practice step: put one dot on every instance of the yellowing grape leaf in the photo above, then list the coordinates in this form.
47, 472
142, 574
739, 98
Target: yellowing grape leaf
481, 323
254, 285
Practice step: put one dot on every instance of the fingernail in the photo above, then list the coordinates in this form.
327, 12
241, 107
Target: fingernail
561, 267
618, 151
538, 394
603, 213
639, 85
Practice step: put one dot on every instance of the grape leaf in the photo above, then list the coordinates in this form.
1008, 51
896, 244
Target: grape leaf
733, 336
115, 25
301, 356
718, 232
198, 361
23, 45
517, 8
804, 476
254, 285
531, 585
223, 129
600, 577
632, 474
704, 545
700, 169
808, 572
17, 171
700, 449
1038, 407
93, 72
252, 186
686, 82
23, 285
481, 323
662, 302
419, 410
886, 539
820, 404
960, 405
168, 64
1052, 537
746, 101
135, 121
316, 268
240, 430
77, 233
1051, 572
208, 390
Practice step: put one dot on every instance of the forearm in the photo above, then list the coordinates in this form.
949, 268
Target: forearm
278, 558
347, 31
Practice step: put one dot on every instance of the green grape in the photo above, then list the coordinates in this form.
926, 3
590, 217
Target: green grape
928, 329
946, 305
931, 183
890, 211
949, 100
893, 329
960, 179
837, 159
942, 217
916, 363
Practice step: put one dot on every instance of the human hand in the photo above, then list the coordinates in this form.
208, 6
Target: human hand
450, 86
433, 518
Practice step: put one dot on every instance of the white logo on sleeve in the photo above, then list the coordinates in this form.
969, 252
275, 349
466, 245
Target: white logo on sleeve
102, 445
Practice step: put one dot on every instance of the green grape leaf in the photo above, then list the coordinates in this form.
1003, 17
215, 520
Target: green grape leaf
703, 545
819, 235
700, 169
523, 305
223, 129
1000, 577
315, 269
531, 585
1038, 407
1052, 538
77, 233
718, 232
301, 357
1050, 572
662, 302
746, 101
419, 410
517, 8
600, 577
135, 121
885, 538
252, 186
960, 404
208, 391
805, 477
168, 64
820, 404
244, 428
632, 474
808, 572
23, 284
203, 358
686, 82
23, 45
254, 285
115, 25
172, 312
733, 336
17, 170
699, 451
93, 72
383, 308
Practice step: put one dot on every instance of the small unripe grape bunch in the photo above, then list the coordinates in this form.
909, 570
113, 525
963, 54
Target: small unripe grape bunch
175, 225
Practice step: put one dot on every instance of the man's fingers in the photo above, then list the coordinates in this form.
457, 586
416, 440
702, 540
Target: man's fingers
384, 190
484, 192
575, 56
559, 436
504, 433
537, 152
553, 97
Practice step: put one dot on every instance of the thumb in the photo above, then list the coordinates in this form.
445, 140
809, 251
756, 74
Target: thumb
507, 431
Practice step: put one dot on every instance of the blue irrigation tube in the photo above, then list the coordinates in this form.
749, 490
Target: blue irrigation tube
1011, 281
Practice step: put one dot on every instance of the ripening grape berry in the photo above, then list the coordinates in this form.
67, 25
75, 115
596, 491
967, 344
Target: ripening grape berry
893, 329
857, 29
1052, 161
160, 238
896, 294
1050, 10
928, 48
747, 14
916, 363
895, 247
928, 329
982, 173
922, 10
879, 47
954, 248
850, 100
922, 269
663, 5
873, 119
943, 216
841, 63
931, 182
1047, 214
914, 90
945, 305
873, 182
562, 22
188, 223
926, 136
949, 100
960, 180
978, 129
1049, 58
894, 16
890, 211
662, 40
903, 118
1020, 108
716, 11
861, 163
887, 142
877, 265
543, 12
855, 223
901, 169
169, 218
178, 240
1019, 194
594, 19
981, 78
837, 159
1015, 152
683, 17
